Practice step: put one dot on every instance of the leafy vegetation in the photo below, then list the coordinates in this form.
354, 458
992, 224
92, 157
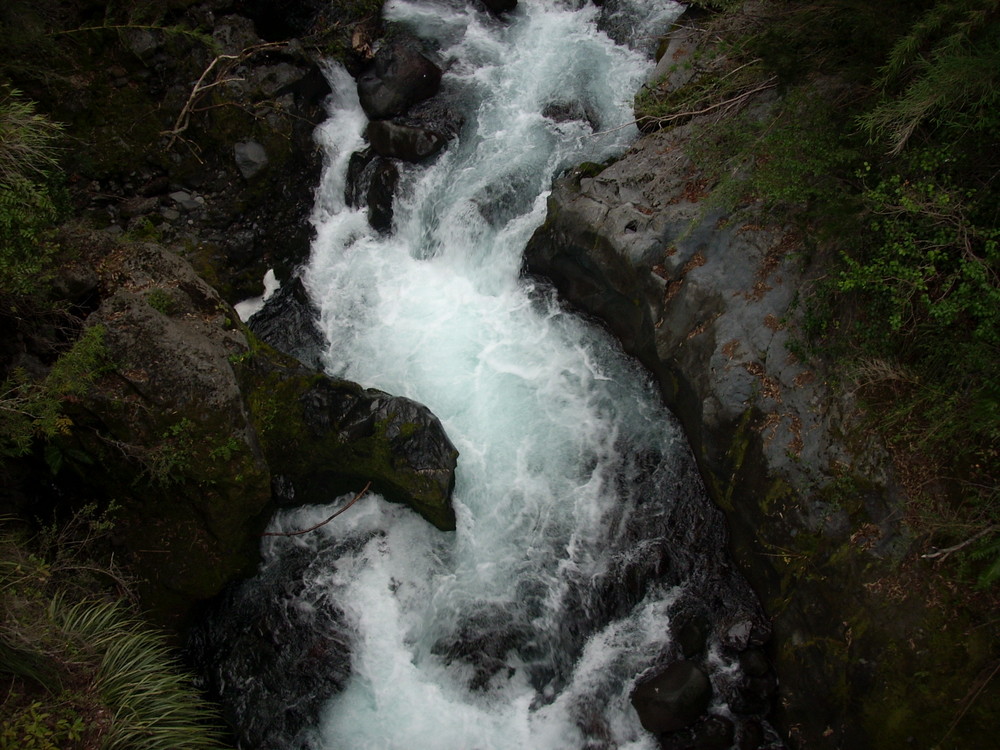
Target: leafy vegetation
82, 671
28, 199
31, 410
882, 140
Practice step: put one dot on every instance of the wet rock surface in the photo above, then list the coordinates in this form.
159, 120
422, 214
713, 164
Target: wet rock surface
400, 77
710, 303
672, 698
288, 322
403, 142
270, 660
353, 427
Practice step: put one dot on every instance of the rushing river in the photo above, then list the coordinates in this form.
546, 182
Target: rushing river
525, 628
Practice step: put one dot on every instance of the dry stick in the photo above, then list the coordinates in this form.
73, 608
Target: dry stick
736, 100
184, 118
321, 523
769, 84
943, 553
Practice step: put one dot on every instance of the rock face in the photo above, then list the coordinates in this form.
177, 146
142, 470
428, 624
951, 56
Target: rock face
702, 301
170, 430
707, 302
195, 420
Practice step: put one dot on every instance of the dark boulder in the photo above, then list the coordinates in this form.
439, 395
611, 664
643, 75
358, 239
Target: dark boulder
323, 437
569, 111
380, 194
496, 7
672, 698
371, 182
442, 114
756, 686
359, 174
400, 77
288, 322
691, 635
403, 141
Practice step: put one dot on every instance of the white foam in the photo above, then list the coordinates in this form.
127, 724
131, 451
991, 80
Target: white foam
535, 400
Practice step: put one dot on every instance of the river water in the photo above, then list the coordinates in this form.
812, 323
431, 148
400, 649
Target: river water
575, 491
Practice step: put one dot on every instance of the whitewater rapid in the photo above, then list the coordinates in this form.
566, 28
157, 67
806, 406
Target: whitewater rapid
513, 631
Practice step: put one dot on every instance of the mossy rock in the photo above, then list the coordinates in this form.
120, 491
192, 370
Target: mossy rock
329, 436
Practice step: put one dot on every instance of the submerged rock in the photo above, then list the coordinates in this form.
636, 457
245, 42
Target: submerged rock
498, 7
380, 195
271, 654
371, 182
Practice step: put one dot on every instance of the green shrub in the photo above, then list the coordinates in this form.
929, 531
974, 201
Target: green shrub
28, 206
932, 260
32, 410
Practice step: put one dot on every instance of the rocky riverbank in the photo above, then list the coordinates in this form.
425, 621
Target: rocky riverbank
199, 164
201, 157
711, 303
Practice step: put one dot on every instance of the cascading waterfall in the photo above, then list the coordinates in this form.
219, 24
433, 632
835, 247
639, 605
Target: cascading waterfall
582, 523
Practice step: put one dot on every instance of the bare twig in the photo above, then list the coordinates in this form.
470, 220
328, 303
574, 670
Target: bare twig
943, 553
200, 87
729, 103
321, 523
974, 693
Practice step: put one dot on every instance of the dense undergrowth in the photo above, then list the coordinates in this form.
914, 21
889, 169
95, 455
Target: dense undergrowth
881, 138
80, 669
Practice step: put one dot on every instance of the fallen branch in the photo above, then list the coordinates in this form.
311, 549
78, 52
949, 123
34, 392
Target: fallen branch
729, 104
321, 523
943, 553
200, 87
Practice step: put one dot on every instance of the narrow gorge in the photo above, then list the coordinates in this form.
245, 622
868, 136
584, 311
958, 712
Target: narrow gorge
522, 446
